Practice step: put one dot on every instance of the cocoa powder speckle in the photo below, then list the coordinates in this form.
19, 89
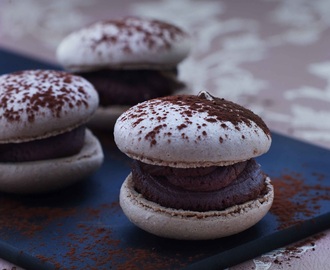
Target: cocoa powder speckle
296, 199
22, 221
26, 94
86, 244
287, 257
132, 31
188, 107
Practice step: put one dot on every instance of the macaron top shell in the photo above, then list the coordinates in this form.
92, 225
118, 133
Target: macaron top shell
127, 43
188, 131
36, 104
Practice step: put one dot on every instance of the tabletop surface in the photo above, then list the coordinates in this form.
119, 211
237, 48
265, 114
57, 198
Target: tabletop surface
271, 56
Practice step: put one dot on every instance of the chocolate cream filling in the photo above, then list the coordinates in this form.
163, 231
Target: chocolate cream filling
63, 145
199, 189
129, 87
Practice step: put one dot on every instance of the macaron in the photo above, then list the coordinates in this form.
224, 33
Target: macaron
194, 174
44, 144
128, 61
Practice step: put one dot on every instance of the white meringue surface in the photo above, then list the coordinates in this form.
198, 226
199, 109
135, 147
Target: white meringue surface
128, 42
166, 132
38, 104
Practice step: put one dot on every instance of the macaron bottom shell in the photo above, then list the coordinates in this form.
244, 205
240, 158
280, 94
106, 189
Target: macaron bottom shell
192, 225
49, 175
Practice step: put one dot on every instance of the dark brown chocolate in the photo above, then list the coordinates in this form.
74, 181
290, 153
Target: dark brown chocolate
247, 182
196, 179
63, 145
129, 87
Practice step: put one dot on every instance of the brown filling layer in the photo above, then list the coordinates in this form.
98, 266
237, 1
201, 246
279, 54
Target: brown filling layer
129, 87
63, 145
200, 189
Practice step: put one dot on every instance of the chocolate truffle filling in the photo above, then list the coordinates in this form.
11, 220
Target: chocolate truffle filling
62, 145
129, 87
200, 189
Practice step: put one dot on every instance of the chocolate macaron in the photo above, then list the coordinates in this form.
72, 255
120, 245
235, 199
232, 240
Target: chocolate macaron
194, 174
128, 60
44, 144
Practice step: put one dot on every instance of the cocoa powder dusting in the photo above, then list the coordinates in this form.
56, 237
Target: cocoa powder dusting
219, 109
296, 200
29, 93
14, 215
90, 242
287, 257
294, 251
188, 106
134, 31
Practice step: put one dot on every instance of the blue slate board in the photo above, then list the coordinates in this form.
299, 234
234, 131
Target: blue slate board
83, 227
